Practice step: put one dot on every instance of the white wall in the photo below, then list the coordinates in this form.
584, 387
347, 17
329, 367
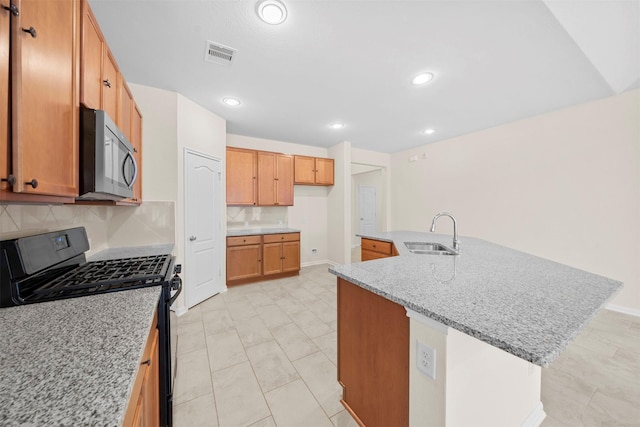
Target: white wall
339, 205
159, 110
564, 186
172, 123
309, 210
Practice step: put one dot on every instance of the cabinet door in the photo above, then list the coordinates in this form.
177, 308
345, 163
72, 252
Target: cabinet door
45, 104
136, 142
304, 170
5, 151
290, 256
266, 178
151, 388
244, 262
284, 180
124, 118
91, 65
324, 171
272, 258
241, 176
110, 85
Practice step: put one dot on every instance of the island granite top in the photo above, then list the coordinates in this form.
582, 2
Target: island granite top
234, 232
525, 305
73, 362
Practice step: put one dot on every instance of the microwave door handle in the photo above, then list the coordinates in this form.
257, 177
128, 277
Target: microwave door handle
135, 169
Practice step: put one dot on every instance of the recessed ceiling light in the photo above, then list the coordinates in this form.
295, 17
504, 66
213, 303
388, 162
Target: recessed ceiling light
272, 12
232, 102
336, 125
422, 78
428, 131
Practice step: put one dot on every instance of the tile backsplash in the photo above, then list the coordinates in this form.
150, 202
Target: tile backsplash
256, 216
107, 226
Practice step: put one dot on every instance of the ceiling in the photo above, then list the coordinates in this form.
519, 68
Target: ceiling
494, 62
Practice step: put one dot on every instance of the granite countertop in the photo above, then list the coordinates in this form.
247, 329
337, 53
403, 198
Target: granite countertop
525, 305
73, 362
253, 231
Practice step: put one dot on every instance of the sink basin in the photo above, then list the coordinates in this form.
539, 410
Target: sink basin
428, 248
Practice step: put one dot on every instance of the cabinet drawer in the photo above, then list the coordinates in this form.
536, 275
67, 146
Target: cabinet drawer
284, 237
243, 240
376, 246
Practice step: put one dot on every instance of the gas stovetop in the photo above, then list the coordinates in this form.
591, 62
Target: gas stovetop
95, 277
52, 266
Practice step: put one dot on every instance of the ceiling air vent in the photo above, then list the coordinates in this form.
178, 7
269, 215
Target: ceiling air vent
219, 53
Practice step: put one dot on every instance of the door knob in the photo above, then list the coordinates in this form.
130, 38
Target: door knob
192, 238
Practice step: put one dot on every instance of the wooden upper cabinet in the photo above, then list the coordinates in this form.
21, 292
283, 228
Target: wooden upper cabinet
241, 176
313, 171
126, 109
305, 170
110, 80
91, 65
275, 179
5, 147
44, 110
324, 171
99, 70
284, 177
134, 126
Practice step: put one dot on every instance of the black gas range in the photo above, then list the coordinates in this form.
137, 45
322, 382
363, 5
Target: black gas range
53, 266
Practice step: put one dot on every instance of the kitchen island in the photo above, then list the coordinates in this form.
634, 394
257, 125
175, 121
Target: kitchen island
492, 315
74, 362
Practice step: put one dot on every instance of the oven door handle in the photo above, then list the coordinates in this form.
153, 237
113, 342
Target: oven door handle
176, 283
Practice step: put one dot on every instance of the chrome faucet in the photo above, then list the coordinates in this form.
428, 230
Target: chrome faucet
456, 242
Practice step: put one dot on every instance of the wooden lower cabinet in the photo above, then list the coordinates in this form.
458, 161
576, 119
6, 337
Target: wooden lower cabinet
281, 257
373, 357
244, 258
144, 405
262, 257
375, 249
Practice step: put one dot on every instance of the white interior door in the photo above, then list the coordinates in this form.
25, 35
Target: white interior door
203, 229
367, 208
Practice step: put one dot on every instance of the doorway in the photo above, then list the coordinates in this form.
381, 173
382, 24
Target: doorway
203, 227
367, 209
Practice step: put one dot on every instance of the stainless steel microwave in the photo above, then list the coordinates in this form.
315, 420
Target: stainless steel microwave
108, 169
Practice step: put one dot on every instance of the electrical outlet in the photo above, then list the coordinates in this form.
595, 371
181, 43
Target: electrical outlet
426, 360
314, 251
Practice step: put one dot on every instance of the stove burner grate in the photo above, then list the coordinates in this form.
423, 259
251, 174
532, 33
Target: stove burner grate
103, 276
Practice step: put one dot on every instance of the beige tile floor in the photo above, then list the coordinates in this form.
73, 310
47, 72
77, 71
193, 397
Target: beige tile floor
264, 354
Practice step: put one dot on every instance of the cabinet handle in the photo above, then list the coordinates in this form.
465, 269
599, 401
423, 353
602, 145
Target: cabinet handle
135, 150
13, 9
33, 183
106, 82
31, 31
147, 362
11, 180
192, 238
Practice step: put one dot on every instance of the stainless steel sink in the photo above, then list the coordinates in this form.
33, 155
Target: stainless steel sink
428, 248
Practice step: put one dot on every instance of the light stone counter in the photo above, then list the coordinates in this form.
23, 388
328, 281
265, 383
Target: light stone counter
525, 305
254, 231
73, 362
